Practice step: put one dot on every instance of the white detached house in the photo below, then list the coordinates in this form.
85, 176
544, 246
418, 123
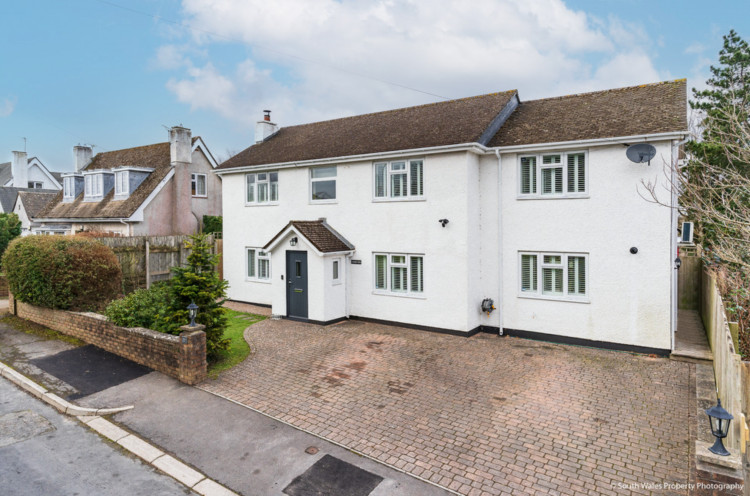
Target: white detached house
419, 216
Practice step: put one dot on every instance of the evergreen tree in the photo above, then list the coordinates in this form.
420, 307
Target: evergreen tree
10, 228
198, 282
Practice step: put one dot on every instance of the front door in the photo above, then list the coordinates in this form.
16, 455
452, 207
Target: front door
296, 284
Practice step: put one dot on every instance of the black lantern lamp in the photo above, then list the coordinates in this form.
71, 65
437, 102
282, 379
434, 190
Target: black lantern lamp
293, 241
192, 312
720, 420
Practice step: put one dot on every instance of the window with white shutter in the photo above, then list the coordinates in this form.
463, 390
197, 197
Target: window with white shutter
561, 175
562, 276
399, 273
398, 180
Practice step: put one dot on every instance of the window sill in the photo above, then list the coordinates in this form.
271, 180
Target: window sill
336, 282
406, 199
323, 202
554, 197
263, 204
120, 197
200, 196
255, 279
93, 199
568, 299
413, 296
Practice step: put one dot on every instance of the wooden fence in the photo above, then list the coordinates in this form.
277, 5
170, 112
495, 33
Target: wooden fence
729, 370
148, 259
689, 283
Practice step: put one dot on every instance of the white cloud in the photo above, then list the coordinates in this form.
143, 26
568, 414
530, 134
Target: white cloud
6, 107
454, 49
695, 48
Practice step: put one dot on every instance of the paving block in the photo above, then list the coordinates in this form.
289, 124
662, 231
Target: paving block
207, 487
107, 429
87, 418
178, 470
140, 448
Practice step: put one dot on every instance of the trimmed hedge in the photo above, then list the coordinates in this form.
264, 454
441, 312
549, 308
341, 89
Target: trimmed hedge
212, 224
62, 272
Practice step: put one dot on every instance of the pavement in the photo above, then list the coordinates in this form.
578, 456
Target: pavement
44, 452
206, 442
483, 415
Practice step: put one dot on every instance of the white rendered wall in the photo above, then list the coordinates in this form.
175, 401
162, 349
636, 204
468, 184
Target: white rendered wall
35, 174
629, 295
391, 227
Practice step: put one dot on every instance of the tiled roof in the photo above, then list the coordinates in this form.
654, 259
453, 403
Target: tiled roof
645, 109
155, 156
6, 173
34, 201
323, 237
9, 194
436, 124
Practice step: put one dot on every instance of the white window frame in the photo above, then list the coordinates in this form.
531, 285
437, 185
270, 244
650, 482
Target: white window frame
540, 265
69, 188
318, 179
336, 269
389, 172
194, 180
33, 185
407, 264
260, 254
124, 188
537, 194
93, 186
254, 188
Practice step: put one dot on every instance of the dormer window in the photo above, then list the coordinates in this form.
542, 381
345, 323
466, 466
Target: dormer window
72, 186
94, 185
121, 183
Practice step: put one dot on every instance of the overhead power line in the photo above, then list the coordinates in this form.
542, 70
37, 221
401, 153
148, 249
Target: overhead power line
274, 50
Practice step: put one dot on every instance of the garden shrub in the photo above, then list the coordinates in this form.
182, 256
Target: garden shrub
62, 272
200, 283
147, 308
10, 228
212, 224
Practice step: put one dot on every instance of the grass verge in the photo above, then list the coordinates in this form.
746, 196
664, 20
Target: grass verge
238, 347
37, 330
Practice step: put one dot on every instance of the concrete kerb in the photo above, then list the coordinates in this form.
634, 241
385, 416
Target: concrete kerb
92, 417
58, 403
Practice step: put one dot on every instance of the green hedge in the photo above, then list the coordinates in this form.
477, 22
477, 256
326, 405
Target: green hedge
212, 224
62, 272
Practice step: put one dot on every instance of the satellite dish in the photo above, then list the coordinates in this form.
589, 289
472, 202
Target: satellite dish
641, 152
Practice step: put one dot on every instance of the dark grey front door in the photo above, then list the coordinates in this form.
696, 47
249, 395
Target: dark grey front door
296, 284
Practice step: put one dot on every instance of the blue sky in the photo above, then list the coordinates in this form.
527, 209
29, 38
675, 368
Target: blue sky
115, 73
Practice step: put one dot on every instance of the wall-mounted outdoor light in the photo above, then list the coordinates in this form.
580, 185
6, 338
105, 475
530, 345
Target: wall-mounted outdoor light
677, 263
443, 222
633, 250
293, 241
720, 420
192, 312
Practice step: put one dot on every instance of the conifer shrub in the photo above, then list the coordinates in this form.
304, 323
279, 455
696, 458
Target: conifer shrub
62, 272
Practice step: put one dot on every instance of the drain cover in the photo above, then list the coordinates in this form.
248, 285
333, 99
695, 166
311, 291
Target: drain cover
20, 426
330, 476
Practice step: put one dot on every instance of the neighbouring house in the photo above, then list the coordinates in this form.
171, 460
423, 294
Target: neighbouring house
28, 173
420, 216
27, 205
159, 189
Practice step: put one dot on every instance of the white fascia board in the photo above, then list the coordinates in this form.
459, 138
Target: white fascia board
44, 169
199, 143
81, 220
133, 168
562, 145
467, 147
138, 214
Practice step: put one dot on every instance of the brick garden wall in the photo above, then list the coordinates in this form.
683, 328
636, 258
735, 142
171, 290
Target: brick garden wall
3, 287
182, 357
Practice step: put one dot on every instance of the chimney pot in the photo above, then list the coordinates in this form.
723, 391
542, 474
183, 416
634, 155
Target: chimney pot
267, 115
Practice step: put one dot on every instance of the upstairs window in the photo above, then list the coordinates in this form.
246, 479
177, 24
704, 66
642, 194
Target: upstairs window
258, 264
554, 275
93, 185
198, 185
35, 185
122, 187
399, 273
262, 187
323, 184
553, 175
69, 188
400, 179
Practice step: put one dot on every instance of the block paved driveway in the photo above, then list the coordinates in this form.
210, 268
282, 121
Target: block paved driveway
481, 415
